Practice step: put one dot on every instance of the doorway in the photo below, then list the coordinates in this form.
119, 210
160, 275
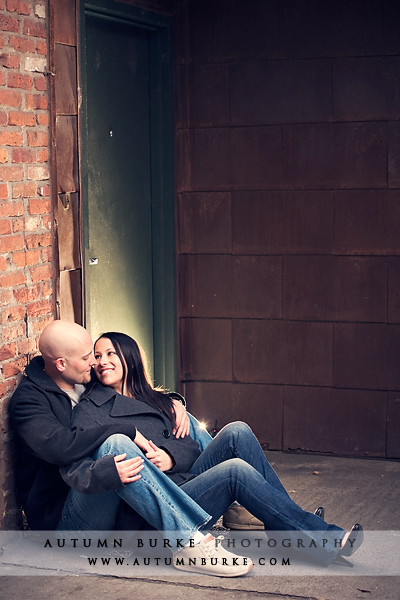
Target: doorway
127, 186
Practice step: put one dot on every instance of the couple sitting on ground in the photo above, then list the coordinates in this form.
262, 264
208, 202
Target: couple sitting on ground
106, 452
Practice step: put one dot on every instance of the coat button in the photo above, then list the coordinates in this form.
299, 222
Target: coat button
166, 433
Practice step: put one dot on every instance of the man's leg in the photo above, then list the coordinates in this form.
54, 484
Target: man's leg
154, 496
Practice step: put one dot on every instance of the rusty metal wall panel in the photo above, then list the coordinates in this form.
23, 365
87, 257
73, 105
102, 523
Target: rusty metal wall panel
270, 92
68, 231
239, 158
291, 352
71, 296
393, 425
351, 422
334, 147
218, 403
205, 223
295, 222
65, 80
367, 222
210, 344
64, 21
67, 153
335, 288
367, 356
394, 154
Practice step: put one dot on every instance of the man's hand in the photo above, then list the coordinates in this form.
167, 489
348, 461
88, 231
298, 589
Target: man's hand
159, 457
128, 469
182, 426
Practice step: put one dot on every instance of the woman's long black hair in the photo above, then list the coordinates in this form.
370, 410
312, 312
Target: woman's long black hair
136, 381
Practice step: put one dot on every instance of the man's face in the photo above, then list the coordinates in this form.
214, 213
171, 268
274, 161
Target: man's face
78, 365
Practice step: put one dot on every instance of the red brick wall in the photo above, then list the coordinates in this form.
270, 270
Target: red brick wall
288, 159
26, 302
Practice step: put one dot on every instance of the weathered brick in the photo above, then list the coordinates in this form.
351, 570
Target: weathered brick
44, 191
41, 48
17, 80
23, 259
41, 273
9, 24
11, 174
38, 240
43, 155
38, 173
40, 308
3, 191
3, 155
26, 346
9, 243
24, 190
27, 294
38, 325
7, 351
3, 118
5, 297
7, 387
8, 334
13, 279
22, 155
35, 64
36, 101
3, 263
47, 290
34, 29
37, 138
22, 118
5, 227
11, 209
40, 84
13, 368
11, 138
22, 44
21, 8
10, 61
12, 313
46, 221
42, 119
31, 224
39, 207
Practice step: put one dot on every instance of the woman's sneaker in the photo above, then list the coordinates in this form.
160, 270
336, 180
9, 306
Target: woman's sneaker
209, 557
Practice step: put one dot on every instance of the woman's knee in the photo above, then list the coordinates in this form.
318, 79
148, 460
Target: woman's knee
237, 428
119, 443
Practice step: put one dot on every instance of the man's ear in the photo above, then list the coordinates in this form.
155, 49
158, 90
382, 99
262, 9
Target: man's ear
60, 364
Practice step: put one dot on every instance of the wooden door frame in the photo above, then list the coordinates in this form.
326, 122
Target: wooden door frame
159, 27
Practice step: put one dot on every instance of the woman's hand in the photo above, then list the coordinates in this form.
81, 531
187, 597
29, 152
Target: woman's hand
182, 426
159, 457
142, 442
128, 469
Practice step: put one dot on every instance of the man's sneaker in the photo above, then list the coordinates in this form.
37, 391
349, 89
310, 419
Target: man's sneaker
237, 517
209, 557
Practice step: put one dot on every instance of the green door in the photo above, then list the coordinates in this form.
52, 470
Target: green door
125, 213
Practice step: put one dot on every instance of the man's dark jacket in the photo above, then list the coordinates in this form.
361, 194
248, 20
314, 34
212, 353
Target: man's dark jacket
40, 414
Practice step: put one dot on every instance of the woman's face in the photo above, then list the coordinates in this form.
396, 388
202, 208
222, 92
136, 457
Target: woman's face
108, 367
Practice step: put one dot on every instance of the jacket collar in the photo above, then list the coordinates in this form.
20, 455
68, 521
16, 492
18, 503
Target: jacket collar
34, 371
122, 405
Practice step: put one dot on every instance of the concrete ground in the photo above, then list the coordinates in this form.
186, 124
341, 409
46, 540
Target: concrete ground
351, 490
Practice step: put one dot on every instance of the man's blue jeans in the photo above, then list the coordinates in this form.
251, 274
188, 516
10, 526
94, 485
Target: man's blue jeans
231, 467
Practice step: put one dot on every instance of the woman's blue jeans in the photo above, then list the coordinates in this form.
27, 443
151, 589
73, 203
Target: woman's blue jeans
231, 467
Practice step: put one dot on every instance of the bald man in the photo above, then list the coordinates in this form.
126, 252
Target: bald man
40, 412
